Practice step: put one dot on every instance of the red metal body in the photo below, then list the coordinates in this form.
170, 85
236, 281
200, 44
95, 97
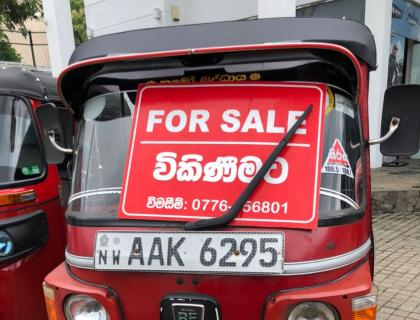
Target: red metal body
240, 297
21, 279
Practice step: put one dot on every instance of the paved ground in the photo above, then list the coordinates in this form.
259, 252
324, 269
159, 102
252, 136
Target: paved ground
397, 266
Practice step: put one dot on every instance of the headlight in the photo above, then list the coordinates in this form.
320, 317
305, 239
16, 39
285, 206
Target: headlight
83, 307
312, 311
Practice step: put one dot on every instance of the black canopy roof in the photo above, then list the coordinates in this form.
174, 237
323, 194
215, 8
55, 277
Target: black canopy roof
350, 34
32, 84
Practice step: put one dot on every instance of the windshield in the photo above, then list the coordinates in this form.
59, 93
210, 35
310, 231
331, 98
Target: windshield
103, 141
20, 156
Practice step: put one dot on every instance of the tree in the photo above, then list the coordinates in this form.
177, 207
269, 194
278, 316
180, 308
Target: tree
79, 20
13, 14
7, 52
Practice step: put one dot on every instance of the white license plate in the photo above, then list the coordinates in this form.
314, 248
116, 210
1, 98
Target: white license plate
204, 252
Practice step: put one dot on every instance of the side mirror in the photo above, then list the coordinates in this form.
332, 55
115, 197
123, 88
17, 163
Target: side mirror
52, 133
67, 121
401, 102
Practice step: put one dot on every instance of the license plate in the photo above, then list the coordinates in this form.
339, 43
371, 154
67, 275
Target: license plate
195, 252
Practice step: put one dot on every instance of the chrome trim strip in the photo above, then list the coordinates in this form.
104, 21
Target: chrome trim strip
79, 261
95, 190
86, 194
339, 196
290, 268
327, 264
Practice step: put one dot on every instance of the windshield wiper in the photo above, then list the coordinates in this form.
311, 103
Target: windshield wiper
13, 127
252, 185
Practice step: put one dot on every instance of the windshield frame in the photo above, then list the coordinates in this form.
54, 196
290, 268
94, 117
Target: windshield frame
330, 218
42, 177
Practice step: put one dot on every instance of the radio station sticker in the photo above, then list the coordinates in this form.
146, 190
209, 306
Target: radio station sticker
337, 161
195, 147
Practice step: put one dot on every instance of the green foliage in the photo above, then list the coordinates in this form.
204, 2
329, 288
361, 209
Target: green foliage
7, 52
13, 14
79, 21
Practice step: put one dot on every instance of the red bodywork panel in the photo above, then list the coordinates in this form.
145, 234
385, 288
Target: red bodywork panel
67, 286
265, 298
323, 242
300, 245
240, 297
21, 295
337, 293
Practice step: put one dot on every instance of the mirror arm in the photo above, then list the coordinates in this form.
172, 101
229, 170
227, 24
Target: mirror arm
393, 125
51, 136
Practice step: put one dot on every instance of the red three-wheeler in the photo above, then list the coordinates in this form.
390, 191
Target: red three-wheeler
32, 195
221, 172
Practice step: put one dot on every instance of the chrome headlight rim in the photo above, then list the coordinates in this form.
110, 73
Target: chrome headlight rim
324, 307
83, 298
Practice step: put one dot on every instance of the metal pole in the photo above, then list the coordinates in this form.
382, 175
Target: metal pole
31, 43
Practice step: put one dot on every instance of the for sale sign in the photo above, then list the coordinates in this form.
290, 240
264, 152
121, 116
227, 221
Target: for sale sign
195, 147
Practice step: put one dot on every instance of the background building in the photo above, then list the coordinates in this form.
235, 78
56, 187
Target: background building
137, 14
395, 25
32, 47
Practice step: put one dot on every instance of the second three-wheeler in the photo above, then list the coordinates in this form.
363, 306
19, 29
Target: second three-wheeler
32, 193
221, 172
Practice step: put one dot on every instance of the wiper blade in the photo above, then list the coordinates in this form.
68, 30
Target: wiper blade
252, 185
13, 128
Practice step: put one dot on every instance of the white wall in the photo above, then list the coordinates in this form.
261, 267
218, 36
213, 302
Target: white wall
378, 19
310, 2
111, 16
59, 33
276, 8
201, 11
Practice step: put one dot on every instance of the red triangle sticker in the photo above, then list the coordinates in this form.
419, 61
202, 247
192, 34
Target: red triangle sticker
337, 161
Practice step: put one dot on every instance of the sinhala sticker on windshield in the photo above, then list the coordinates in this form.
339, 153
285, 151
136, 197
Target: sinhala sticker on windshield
337, 161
